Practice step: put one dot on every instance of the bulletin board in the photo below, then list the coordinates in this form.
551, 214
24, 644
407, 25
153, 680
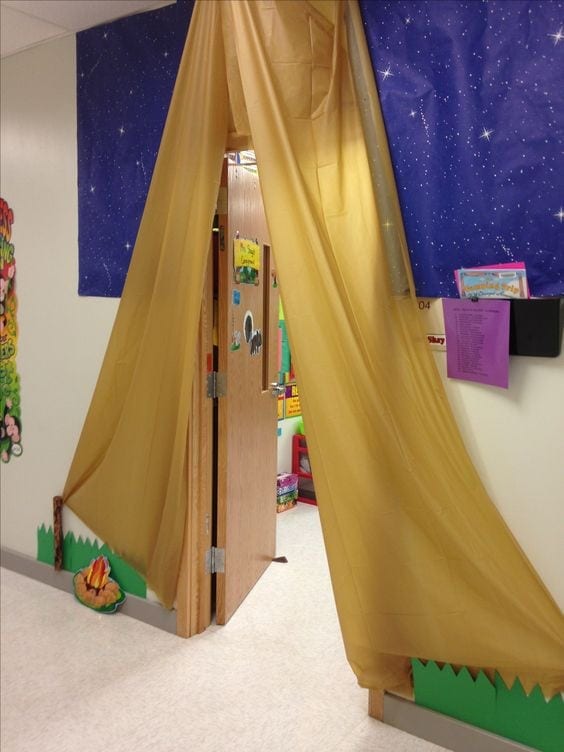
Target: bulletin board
125, 76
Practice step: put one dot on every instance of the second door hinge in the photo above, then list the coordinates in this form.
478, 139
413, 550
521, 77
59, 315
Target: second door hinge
215, 560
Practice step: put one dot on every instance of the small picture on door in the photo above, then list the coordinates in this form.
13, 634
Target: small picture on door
246, 262
253, 337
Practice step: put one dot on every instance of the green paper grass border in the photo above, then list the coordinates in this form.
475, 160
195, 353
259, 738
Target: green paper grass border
509, 712
79, 552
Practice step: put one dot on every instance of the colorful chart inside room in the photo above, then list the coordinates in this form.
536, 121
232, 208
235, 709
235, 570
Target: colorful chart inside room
471, 96
10, 408
289, 399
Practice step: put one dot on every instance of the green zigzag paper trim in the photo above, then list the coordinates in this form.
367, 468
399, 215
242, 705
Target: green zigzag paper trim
79, 552
528, 719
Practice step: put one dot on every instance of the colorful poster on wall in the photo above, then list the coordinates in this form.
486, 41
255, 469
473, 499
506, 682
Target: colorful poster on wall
285, 370
10, 415
246, 260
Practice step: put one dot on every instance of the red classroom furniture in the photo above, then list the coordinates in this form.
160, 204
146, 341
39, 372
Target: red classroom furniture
302, 468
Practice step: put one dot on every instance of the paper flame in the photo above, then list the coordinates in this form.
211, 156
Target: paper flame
97, 573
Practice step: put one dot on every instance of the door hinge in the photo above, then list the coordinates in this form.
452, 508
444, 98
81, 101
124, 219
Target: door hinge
216, 385
215, 560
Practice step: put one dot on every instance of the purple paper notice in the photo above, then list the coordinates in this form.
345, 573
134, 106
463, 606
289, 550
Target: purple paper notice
477, 335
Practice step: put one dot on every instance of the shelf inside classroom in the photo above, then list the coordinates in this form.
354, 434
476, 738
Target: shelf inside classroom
302, 468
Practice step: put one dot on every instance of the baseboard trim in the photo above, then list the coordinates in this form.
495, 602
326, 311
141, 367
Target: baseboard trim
138, 608
442, 730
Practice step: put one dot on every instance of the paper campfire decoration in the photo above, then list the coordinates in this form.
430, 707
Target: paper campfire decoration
94, 588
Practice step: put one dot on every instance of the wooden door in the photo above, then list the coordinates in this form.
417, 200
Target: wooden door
247, 415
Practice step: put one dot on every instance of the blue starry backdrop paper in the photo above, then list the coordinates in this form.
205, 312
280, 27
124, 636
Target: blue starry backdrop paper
472, 95
473, 100
125, 76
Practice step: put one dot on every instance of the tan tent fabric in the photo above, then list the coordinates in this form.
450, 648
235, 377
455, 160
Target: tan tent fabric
421, 562
127, 479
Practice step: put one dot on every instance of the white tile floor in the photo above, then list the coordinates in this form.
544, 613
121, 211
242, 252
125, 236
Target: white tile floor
275, 678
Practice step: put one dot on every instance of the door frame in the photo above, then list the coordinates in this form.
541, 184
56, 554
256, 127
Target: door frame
193, 595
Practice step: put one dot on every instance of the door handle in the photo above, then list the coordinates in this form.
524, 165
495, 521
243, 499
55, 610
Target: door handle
276, 389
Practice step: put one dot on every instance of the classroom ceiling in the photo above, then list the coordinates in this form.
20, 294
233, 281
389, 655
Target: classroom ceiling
25, 23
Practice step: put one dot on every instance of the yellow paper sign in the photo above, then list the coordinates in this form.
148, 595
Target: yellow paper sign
292, 408
247, 254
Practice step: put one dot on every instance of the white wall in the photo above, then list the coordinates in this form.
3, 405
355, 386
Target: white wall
514, 437
287, 429
62, 337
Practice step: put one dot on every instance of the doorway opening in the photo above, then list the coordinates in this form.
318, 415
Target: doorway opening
243, 399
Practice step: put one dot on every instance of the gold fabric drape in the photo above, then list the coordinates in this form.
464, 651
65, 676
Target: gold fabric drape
127, 479
421, 562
